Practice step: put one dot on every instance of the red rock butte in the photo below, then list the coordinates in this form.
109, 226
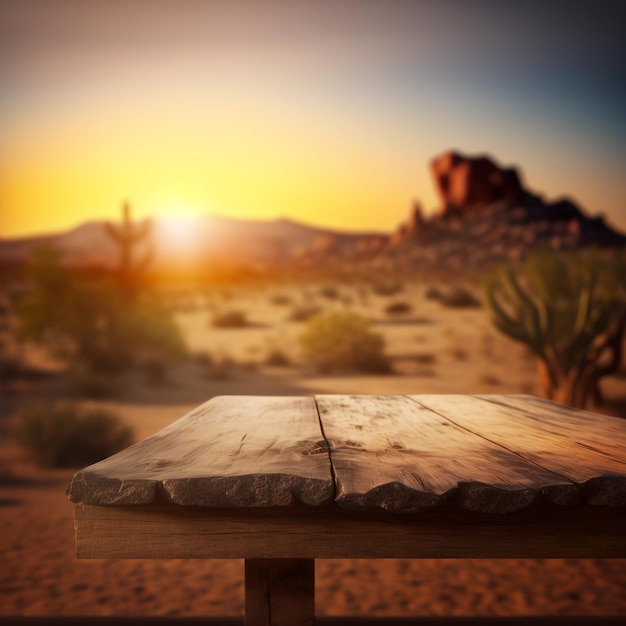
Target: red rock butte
471, 183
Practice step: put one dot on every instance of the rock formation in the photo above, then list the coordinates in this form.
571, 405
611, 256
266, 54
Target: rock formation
487, 216
469, 183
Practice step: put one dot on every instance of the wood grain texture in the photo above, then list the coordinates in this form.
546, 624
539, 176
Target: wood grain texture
235, 451
403, 454
532, 620
586, 448
173, 532
394, 453
280, 592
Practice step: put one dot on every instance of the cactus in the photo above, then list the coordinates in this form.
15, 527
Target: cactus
126, 236
570, 310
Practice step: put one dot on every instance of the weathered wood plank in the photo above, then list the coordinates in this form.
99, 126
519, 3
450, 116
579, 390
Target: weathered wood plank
236, 451
529, 620
174, 532
393, 453
280, 592
587, 448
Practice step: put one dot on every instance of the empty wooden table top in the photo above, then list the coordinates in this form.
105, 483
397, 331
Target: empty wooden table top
251, 469
282, 481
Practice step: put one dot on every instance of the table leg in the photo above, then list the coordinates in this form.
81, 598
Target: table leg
280, 592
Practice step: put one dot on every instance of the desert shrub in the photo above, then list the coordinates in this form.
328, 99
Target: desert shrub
330, 293
387, 289
490, 380
343, 341
460, 297
67, 436
433, 293
398, 308
458, 354
90, 323
277, 358
303, 313
457, 296
86, 383
155, 333
280, 299
230, 319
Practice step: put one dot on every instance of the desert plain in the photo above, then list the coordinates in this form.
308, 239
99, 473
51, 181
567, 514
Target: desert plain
433, 348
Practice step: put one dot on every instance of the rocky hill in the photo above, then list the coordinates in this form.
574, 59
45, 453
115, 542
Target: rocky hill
487, 216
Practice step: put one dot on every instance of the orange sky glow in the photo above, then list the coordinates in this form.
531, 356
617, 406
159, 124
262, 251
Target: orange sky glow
261, 110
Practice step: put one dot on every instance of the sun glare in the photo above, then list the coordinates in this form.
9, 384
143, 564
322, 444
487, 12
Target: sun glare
177, 231
175, 209
176, 223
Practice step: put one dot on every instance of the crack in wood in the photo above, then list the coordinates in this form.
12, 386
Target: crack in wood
402, 454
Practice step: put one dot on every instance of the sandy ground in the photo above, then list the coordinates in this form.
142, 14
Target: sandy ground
434, 350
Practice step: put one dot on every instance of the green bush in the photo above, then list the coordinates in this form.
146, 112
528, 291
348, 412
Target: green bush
90, 323
342, 341
67, 436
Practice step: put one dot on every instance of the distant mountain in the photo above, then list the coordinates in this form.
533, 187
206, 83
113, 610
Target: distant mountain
486, 216
194, 243
87, 243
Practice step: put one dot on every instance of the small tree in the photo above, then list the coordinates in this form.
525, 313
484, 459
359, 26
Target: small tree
570, 310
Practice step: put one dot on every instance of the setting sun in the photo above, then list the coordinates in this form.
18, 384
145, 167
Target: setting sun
177, 231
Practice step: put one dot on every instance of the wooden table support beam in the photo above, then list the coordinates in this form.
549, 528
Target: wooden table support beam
280, 592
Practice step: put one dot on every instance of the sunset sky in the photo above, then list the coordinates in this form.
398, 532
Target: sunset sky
327, 112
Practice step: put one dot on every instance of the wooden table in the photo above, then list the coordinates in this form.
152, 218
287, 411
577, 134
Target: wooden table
281, 481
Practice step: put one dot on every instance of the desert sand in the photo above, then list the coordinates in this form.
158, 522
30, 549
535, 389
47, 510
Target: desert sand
434, 349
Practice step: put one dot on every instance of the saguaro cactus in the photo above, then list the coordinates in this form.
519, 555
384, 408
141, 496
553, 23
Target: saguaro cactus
127, 235
570, 310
